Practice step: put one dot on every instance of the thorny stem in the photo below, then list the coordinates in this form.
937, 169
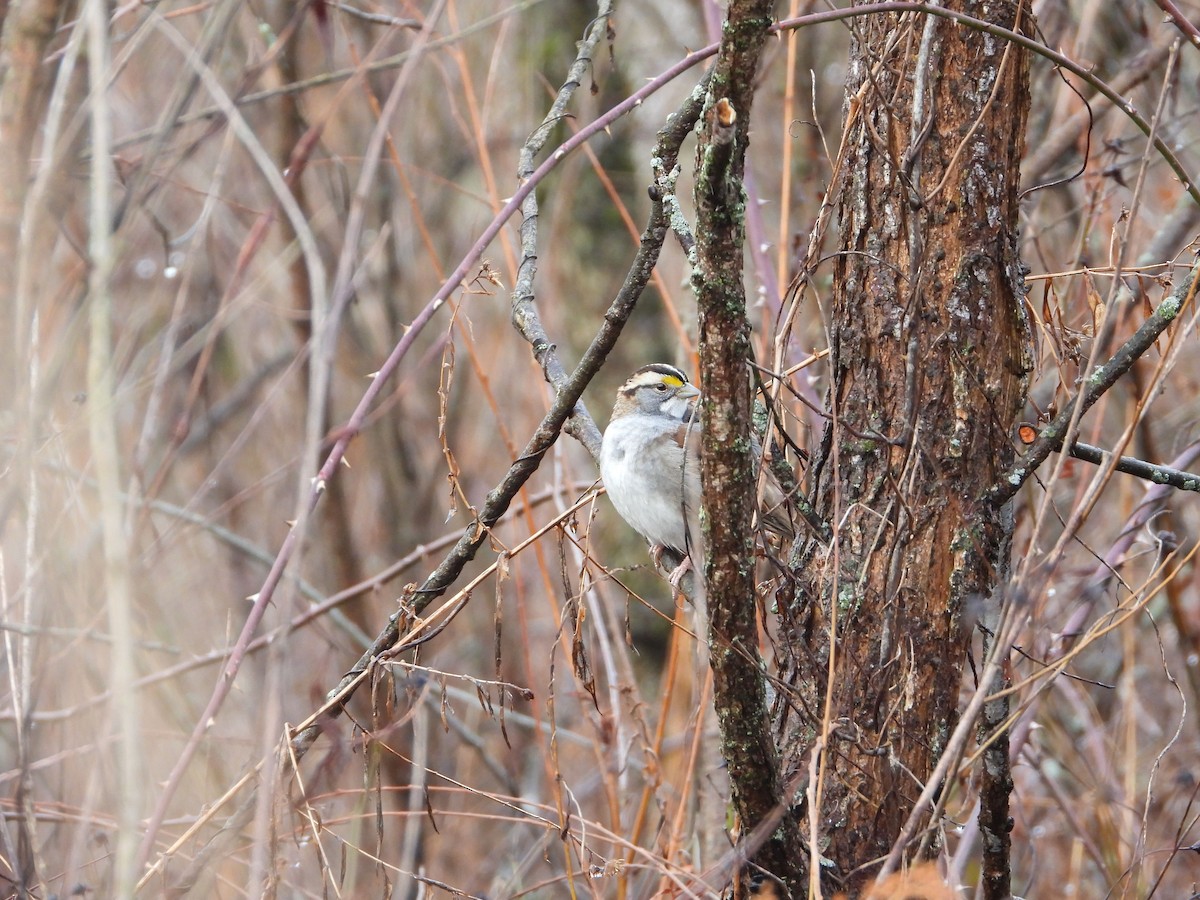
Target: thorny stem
571, 389
678, 127
304, 505
566, 404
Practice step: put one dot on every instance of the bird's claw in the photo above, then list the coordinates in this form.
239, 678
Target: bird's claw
680, 570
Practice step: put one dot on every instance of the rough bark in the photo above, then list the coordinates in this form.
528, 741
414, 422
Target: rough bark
929, 357
770, 841
995, 788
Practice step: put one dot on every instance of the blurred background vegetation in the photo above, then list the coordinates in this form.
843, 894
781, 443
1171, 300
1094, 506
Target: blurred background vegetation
441, 774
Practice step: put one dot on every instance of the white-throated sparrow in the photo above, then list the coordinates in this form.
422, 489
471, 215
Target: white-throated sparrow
650, 462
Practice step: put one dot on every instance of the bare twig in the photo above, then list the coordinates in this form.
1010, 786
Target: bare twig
1180, 21
563, 407
1050, 152
1176, 478
525, 316
377, 18
1051, 436
325, 318
28, 30
118, 577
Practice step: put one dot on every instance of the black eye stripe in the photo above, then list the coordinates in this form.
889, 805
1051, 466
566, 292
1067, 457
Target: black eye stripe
662, 380
662, 369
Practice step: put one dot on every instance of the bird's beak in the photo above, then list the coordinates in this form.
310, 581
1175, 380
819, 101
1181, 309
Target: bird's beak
687, 392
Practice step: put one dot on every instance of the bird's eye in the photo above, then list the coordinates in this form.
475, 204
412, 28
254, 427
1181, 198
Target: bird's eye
661, 388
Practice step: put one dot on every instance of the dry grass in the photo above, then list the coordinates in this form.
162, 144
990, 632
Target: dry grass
546, 743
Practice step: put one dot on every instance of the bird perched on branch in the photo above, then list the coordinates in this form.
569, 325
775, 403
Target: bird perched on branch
650, 462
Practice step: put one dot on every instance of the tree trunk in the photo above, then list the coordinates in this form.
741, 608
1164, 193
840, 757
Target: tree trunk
929, 357
727, 462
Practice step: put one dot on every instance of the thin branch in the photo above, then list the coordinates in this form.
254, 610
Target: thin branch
102, 427
1031, 44
217, 25
1079, 70
376, 18
325, 316
1180, 21
28, 29
525, 316
564, 406
1051, 437
1059, 144
299, 87
1130, 465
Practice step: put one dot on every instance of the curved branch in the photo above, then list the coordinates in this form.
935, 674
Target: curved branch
525, 316
670, 139
1021, 40
1059, 59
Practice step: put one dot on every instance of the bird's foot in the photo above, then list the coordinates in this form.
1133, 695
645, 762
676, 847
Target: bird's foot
658, 551
656, 554
680, 570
